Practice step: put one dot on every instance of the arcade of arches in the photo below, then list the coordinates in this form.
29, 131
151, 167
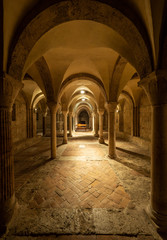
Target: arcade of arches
83, 119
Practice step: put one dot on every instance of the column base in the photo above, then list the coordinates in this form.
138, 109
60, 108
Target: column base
158, 220
6, 210
70, 135
112, 156
101, 140
64, 141
96, 135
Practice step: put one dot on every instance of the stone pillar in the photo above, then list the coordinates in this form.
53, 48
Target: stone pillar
30, 130
44, 124
111, 107
34, 123
155, 86
136, 122
70, 124
90, 122
53, 110
65, 127
101, 113
75, 122
96, 124
9, 89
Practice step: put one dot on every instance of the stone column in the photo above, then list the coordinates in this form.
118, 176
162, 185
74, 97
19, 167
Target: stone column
70, 124
30, 122
9, 89
101, 113
44, 124
155, 86
136, 121
34, 123
90, 122
93, 122
111, 107
96, 124
75, 122
53, 110
65, 127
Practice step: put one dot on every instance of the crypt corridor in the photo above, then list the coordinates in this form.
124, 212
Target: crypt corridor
83, 119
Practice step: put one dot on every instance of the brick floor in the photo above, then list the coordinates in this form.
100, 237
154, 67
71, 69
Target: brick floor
70, 182
78, 184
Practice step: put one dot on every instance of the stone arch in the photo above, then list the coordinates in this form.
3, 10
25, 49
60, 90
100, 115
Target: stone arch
82, 109
128, 115
77, 98
116, 76
82, 76
37, 99
54, 14
128, 97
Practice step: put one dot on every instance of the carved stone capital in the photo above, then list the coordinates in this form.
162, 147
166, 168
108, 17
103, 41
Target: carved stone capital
65, 112
53, 106
111, 106
100, 111
155, 86
9, 89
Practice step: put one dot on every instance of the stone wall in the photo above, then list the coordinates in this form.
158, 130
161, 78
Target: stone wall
19, 127
105, 121
39, 123
145, 118
127, 118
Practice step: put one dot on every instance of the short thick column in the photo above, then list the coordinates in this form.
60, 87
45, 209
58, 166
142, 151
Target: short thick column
158, 208
9, 89
44, 124
136, 122
111, 129
30, 131
155, 86
53, 110
70, 124
7, 196
96, 125
101, 139
65, 127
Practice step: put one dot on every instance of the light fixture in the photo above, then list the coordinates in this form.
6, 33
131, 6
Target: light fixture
83, 99
82, 91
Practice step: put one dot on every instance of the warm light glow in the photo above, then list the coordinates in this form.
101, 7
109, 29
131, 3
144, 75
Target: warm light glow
83, 99
82, 91
81, 146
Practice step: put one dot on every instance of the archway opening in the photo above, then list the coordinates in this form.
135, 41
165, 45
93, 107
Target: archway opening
83, 121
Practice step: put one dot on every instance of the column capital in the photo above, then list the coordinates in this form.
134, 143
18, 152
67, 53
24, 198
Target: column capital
9, 88
53, 106
111, 106
100, 111
155, 86
65, 112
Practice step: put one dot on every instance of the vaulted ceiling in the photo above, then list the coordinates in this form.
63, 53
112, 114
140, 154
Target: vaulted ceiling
97, 45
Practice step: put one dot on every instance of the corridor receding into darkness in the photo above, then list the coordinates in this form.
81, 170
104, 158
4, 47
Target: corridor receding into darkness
82, 192
83, 119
